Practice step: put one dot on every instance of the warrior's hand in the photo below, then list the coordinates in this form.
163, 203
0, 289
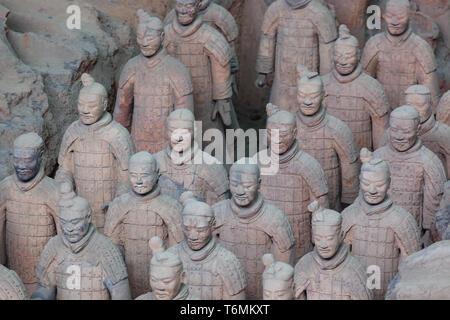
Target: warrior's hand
261, 80
222, 107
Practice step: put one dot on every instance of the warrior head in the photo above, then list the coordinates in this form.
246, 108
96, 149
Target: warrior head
166, 271
204, 4
143, 172
281, 129
149, 33
74, 213
187, 11
326, 230
92, 100
375, 178
198, 220
28, 150
419, 96
404, 125
396, 15
245, 181
310, 91
346, 51
278, 279
180, 129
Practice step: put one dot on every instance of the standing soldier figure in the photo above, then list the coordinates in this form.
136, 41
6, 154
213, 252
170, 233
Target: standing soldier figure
152, 85
398, 58
94, 152
137, 216
378, 232
28, 209
249, 226
327, 139
294, 32
353, 96
299, 178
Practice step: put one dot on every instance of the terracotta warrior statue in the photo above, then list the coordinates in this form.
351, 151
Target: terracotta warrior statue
212, 272
152, 85
298, 181
327, 139
443, 214
28, 209
377, 231
167, 277
94, 152
278, 279
443, 109
417, 174
184, 167
207, 55
220, 19
294, 32
329, 272
249, 226
11, 286
398, 58
80, 263
137, 216
353, 96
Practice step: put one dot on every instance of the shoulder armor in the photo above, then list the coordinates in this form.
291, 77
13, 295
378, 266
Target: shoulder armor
278, 227
231, 271
180, 77
349, 216
271, 17
221, 209
434, 169
215, 175
169, 17
72, 133
371, 49
160, 158
217, 45
128, 71
324, 21
375, 95
111, 259
224, 21
301, 273
343, 137
170, 210
48, 255
120, 141
5, 186
406, 229
117, 210
424, 54
313, 173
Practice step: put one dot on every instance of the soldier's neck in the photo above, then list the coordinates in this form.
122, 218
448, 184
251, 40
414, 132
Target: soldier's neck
184, 157
105, 119
28, 185
399, 38
204, 252
333, 262
427, 125
416, 146
148, 196
289, 154
297, 4
80, 245
157, 57
189, 29
313, 120
249, 211
378, 208
344, 78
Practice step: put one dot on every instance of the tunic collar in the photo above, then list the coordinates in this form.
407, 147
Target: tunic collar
288, 155
203, 253
101, 123
335, 261
155, 59
370, 209
297, 4
80, 245
149, 196
398, 40
26, 186
314, 120
349, 77
186, 31
246, 213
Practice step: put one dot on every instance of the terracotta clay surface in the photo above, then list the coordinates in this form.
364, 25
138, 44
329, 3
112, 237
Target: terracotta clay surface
327, 139
166, 275
151, 85
249, 226
443, 109
278, 279
184, 167
422, 276
212, 272
28, 209
80, 263
398, 58
417, 174
137, 216
298, 181
207, 55
94, 152
353, 96
329, 272
11, 286
378, 232
294, 32
443, 214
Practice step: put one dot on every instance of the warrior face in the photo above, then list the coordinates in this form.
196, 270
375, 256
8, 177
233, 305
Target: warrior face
26, 162
181, 136
422, 102
186, 11
275, 289
374, 185
403, 133
149, 40
166, 281
397, 17
244, 184
283, 141
143, 174
309, 97
327, 239
91, 107
75, 220
345, 58
197, 231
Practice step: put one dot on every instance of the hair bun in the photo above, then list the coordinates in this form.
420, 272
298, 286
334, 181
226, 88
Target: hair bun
87, 79
268, 259
271, 109
344, 32
187, 197
313, 206
301, 70
156, 245
365, 155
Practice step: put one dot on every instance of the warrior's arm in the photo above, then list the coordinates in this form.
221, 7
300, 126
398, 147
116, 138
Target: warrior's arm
44, 293
63, 174
120, 290
182, 89
434, 180
430, 80
267, 43
369, 58
122, 182
326, 57
287, 256
125, 98
379, 127
221, 79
